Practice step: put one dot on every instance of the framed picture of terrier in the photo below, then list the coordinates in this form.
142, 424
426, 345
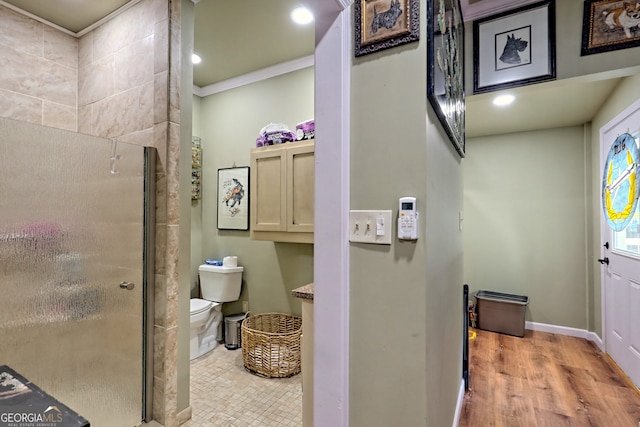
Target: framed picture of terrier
610, 25
233, 198
381, 24
515, 48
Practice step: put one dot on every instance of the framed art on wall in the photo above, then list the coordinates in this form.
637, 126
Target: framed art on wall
610, 25
515, 48
445, 68
381, 24
233, 198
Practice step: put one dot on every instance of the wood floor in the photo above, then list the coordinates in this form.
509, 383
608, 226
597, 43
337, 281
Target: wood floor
545, 380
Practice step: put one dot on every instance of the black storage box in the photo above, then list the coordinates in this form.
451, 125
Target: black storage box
503, 313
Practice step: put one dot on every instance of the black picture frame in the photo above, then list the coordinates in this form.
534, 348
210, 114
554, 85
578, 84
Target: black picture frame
515, 48
382, 24
445, 68
233, 198
602, 33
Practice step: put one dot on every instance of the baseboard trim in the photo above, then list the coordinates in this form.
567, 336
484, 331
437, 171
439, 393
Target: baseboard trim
565, 330
456, 418
184, 415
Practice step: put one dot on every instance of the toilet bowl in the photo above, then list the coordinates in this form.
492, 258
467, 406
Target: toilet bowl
218, 284
205, 320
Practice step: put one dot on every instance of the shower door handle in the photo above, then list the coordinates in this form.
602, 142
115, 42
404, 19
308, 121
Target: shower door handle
127, 285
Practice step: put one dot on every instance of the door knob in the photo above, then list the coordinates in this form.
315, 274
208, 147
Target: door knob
604, 260
127, 285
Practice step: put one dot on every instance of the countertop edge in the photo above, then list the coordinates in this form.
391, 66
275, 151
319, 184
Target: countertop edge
304, 292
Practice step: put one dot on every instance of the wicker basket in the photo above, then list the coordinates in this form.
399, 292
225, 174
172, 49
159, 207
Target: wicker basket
271, 344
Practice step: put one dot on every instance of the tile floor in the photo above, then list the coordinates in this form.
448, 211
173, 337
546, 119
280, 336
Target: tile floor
223, 393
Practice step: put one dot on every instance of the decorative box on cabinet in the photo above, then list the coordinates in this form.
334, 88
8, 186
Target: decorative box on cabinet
282, 193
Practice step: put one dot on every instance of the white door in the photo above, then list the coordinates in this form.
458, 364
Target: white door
620, 256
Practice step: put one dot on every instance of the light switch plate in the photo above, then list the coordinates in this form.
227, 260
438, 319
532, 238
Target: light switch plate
373, 227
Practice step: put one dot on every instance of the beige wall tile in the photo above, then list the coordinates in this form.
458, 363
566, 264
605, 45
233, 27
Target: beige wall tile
95, 81
59, 116
84, 120
146, 107
133, 64
143, 138
175, 69
37, 77
20, 107
173, 180
60, 47
161, 50
160, 257
171, 376
20, 32
114, 35
160, 298
158, 395
124, 112
147, 18
160, 9
161, 133
160, 113
85, 50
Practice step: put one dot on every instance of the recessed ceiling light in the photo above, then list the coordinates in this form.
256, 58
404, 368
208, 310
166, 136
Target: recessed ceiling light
302, 16
502, 100
195, 58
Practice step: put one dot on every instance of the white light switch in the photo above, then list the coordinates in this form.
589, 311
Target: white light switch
370, 227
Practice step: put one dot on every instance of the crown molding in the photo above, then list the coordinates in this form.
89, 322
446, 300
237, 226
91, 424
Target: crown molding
256, 76
480, 9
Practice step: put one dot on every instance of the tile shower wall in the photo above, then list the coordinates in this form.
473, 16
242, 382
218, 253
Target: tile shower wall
39, 73
124, 76
126, 91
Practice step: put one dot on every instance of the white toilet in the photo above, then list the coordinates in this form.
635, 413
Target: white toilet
218, 284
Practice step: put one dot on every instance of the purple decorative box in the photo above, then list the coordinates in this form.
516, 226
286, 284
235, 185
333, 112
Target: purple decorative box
306, 130
275, 133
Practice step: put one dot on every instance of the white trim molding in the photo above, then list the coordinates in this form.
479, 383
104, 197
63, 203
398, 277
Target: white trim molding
255, 76
480, 9
456, 416
564, 330
64, 30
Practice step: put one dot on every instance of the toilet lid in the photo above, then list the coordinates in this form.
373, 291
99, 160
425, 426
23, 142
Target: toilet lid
199, 305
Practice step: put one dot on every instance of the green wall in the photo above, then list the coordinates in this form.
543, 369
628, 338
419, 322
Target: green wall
405, 346
229, 123
525, 220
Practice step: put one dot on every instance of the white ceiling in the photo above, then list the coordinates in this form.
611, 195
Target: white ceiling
236, 37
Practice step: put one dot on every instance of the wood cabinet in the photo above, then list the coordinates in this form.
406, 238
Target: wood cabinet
282, 192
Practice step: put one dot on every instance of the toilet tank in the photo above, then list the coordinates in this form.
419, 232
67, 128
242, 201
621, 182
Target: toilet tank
220, 283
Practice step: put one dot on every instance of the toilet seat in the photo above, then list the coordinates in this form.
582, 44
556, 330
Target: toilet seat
199, 306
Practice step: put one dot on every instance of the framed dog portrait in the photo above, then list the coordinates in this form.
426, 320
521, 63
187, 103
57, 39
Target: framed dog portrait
515, 48
610, 25
381, 24
233, 198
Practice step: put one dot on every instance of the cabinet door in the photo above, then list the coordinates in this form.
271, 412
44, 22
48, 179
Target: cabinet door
268, 191
300, 188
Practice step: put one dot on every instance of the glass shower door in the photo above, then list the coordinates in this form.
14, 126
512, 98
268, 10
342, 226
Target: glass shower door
71, 268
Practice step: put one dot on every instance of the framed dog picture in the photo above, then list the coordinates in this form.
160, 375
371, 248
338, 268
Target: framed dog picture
515, 48
610, 25
381, 24
233, 198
